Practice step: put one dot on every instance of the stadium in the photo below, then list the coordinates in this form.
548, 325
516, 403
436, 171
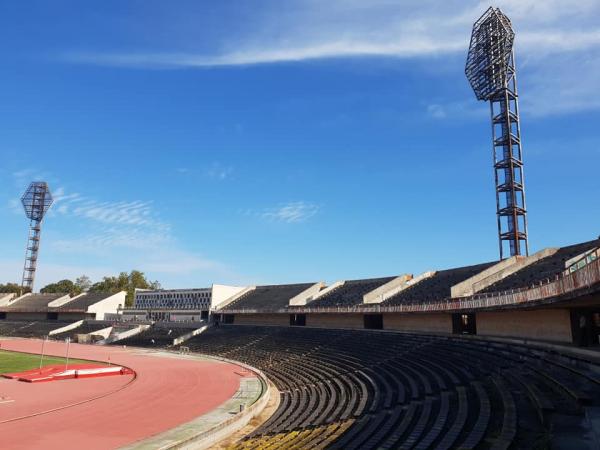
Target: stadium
500, 354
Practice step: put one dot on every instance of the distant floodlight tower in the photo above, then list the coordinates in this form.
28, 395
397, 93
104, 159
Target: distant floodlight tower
36, 201
491, 72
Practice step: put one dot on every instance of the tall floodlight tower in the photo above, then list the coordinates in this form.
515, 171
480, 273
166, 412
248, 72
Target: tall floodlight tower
36, 201
491, 72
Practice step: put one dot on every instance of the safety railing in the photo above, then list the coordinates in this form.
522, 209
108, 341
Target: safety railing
586, 259
586, 275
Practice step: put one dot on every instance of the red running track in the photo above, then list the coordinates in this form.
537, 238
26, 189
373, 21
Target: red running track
112, 411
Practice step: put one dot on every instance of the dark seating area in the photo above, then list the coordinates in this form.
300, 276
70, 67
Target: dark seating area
269, 297
84, 328
7, 327
85, 301
156, 337
33, 302
29, 329
374, 390
351, 293
437, 287
546, 268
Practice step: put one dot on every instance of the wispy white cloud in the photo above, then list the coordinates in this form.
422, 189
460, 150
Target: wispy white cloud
547, 41
218, 171
119, 213
52, 272
548, 32
293, 212
124, 213
567, 85
23, 177
109, 225
143, 249
114, 236
315, 30
105, 240
215, 171
76, 205
455, 109
336, 49
436, 111
15, 206
113, 224
173, 261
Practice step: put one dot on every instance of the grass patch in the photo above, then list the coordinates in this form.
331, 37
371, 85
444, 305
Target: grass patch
18, 362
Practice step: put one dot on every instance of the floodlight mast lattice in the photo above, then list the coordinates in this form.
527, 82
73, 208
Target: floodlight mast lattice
491, 72
36, 202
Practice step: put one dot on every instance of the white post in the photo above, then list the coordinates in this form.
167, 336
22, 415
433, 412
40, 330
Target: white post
43, 345
67, 361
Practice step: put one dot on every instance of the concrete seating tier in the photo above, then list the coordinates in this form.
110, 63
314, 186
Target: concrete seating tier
29, 329
437, 287
84, 328
308, 438
375, 390
545, 268
7, 327
32, 302
158, 337
351, 293
85, 301
269, 297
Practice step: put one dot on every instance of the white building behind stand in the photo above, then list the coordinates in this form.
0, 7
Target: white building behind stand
178, 305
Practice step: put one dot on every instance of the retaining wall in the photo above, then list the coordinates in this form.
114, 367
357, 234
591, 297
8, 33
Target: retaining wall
436, 323
540, 324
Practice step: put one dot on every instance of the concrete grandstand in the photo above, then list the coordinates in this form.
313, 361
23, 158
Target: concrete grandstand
494, 355
54, 315
93, 305
508, 298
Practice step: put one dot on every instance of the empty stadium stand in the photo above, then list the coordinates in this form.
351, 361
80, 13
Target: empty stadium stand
545, 268
84, 302
157, 336
380, 390
33, 302
420, 384
10, 328
269, 297
437, 287
29, 329
350, 293
84, 328
39, 307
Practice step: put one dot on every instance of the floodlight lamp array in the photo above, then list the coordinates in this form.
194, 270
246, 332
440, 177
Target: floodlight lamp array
488, 60
37, 200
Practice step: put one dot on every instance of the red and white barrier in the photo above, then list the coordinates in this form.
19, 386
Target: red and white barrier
58, 372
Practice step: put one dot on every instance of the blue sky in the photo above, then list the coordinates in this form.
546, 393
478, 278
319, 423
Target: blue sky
271, 142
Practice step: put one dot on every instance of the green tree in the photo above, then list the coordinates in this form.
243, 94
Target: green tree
61, 287
83, 283
108, 284
128, 282
12, 288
